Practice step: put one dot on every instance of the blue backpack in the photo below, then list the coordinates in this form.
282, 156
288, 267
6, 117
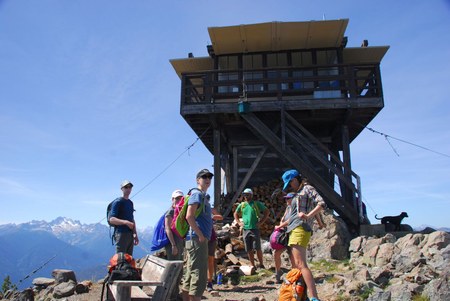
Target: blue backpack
160, 239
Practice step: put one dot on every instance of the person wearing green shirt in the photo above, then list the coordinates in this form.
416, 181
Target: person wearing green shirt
254, 214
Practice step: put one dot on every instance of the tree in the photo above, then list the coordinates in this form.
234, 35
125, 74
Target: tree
7, 285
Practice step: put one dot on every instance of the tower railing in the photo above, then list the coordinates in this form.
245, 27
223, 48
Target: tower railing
327, 81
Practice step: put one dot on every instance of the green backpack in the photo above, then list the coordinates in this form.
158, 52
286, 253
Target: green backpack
180, 225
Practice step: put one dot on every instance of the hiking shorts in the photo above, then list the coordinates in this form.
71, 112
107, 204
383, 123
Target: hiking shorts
252, 240
124, 242
212, 247
299, 236
195, 276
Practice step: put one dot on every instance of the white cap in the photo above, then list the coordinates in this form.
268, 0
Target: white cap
125, 183
247, 191
177, 193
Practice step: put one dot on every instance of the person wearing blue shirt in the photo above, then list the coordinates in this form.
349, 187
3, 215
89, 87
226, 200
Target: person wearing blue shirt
195, 277
122, 217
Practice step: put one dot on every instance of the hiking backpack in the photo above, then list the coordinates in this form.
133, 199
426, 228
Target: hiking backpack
122, 266
293, 287
160, 239
108, 215
180, 225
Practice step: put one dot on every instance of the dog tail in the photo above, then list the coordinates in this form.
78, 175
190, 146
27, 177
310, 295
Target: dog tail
377, 217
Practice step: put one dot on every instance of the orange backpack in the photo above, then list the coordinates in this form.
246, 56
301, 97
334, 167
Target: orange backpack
293, 287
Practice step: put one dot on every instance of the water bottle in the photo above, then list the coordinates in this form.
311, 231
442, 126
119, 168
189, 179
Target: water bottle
300, 287
219, 278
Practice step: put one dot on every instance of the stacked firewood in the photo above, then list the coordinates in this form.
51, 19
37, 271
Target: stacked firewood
271, 195
230, 255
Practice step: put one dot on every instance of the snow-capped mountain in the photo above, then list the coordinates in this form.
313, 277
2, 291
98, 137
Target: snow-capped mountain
63, 243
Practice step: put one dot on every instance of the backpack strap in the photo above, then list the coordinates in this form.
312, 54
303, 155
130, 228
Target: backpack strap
202, 201
258, 214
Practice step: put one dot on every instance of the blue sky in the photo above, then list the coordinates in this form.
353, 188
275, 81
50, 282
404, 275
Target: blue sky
89, 98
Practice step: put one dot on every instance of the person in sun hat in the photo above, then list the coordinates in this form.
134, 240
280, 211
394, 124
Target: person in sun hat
254, 214
122, 217
283, 224
195, 273
306, 204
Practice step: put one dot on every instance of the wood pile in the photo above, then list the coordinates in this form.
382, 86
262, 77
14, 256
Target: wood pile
271, 195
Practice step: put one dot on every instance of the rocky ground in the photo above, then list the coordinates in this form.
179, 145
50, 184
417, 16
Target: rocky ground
405, 267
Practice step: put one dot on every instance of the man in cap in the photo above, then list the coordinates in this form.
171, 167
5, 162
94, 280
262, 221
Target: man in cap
195, 277
122, 217
251, 215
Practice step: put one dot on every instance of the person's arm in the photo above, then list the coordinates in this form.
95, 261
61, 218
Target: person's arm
168, 222
236, 216
318, 200
135, 236
190, 217
266, 213
283, 222
313, 212
216, 215
121, 222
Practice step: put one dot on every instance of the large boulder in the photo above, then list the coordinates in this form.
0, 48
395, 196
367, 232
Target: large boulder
331, 242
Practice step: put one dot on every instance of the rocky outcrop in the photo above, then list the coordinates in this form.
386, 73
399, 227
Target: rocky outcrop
331, 242
362, 268
387, 268
63, 284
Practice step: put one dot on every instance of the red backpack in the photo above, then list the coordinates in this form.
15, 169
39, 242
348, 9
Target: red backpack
179, 225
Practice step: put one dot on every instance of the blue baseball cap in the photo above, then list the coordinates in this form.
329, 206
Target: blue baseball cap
288, 176
289, 195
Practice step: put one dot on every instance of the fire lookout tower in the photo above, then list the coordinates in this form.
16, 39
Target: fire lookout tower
281, 95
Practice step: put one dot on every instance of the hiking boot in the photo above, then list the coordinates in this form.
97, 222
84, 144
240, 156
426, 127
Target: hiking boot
209, 287
261, 266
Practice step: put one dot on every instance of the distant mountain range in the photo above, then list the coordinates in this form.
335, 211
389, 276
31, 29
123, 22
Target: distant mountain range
422, 227
36, 248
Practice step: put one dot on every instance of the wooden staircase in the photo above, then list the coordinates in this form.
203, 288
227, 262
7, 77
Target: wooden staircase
304, 152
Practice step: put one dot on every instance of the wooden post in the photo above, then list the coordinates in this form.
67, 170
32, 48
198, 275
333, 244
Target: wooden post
217, 167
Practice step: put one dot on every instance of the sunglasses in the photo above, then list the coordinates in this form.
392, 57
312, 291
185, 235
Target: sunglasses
206, 177
128, 186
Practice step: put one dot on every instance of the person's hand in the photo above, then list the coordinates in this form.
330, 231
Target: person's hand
136, 240
201, 238
277, 227
302, 215
130, 225
174, 250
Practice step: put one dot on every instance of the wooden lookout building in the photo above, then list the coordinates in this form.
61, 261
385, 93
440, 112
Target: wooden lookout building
280, 95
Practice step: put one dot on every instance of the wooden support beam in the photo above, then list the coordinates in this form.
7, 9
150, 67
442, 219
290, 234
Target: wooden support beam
245, 180
267, 135
217, 167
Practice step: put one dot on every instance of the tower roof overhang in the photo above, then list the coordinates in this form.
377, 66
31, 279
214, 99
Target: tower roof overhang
279, 36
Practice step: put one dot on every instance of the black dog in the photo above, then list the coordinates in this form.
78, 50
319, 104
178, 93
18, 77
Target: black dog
394, 220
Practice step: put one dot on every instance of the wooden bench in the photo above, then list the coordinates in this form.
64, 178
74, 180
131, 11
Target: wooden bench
159, 279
